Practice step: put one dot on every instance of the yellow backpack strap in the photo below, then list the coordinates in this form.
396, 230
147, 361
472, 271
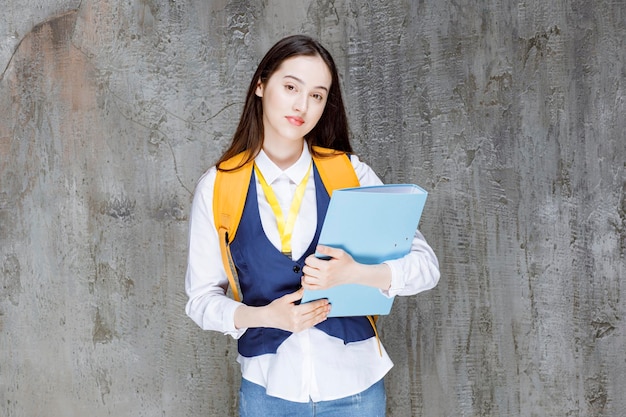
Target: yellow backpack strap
336, 171
373, 320
229, 198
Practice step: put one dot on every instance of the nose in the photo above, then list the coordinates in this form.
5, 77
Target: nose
301, 103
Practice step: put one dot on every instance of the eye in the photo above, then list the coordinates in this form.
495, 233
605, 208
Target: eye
317, 96
290, 87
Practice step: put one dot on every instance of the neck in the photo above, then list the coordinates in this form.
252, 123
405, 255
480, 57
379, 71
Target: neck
284, 155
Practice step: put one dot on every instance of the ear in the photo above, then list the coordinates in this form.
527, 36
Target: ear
259, 89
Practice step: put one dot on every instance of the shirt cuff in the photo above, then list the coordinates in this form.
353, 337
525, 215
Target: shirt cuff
229, 320
397, 283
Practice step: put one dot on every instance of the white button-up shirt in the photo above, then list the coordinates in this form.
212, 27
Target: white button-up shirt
309, 365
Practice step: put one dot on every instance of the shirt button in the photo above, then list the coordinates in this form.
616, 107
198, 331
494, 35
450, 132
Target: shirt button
296, 269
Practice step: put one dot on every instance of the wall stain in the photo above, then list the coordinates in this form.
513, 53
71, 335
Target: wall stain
10, 280
61, 30
102, 332
323, 13
171, 209
604, 324
122, 208
596, 394
539, 43
104, 381
621, 227
108, 280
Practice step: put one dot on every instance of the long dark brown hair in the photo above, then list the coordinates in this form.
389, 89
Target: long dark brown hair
331, 131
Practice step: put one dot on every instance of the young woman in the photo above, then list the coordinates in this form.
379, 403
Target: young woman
294, 359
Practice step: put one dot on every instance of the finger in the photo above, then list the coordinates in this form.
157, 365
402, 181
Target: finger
311, 282
318, 313
329, 251
307, 286
314, 262
322, 312
316, 319
311, 306
309, 271
308, 315
294, 296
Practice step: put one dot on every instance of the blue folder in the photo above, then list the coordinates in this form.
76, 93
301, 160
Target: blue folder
373, 224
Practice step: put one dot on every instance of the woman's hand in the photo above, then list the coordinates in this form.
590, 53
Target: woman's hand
341, 268
321, 273
284, 314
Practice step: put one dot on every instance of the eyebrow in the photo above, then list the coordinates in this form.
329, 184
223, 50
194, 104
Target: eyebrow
302, 82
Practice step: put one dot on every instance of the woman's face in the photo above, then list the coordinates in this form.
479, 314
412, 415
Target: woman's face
294, 98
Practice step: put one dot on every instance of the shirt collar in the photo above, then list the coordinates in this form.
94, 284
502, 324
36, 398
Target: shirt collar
295, 173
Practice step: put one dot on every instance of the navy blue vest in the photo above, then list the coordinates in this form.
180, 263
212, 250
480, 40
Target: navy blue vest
265, 274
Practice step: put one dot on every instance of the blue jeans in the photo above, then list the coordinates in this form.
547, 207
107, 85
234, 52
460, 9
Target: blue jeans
254, 402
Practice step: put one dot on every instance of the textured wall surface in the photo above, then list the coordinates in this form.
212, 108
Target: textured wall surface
511, 114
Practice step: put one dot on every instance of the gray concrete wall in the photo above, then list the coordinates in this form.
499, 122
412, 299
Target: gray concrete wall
511, 114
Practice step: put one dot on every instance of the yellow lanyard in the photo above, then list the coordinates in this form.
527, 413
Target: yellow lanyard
285, 228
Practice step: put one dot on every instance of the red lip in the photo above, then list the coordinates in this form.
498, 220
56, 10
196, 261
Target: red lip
295, 120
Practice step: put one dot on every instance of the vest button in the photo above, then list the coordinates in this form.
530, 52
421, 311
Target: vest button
296, 269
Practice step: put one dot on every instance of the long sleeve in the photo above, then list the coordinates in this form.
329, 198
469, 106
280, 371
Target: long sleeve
418, 270
205, 281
